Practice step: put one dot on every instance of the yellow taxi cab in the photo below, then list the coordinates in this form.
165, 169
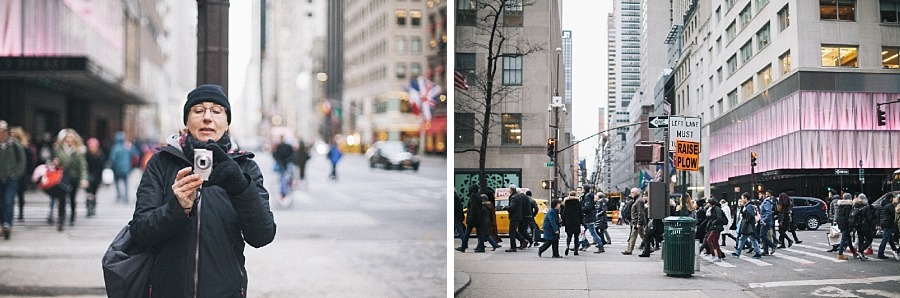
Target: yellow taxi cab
502, 217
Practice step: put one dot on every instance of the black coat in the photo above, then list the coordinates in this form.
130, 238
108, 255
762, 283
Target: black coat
717, 220
748, 220
224, 223
474, 212
601, 215
588, 209
886, 215
518, 206
572, 215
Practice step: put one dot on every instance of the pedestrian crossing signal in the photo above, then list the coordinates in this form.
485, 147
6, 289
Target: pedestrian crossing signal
551, 147
882, 118
545, 184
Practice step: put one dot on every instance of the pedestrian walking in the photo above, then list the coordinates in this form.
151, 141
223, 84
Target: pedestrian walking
473, 217
12, 168
121, 156
896, 202
589, 216
886, 221
483, 234
716, 222
70, 150
638, 220
551, 230
842, 217
766, 222
301, 157
723, 204
518, 206
19, 135
862, 220
601, 224
198, 233
96, 162
572, 217
785, 219
530, 222
334, 156
746, 226
458, 226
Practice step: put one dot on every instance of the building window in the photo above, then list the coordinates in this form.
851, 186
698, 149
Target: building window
464, 128
745, 16
415, 18
760, 4
401, 17
720, 109
415, 45
785, 60
730, 32
840, 56
890, 11
762, 37
732, 64
401, 70
400, 45
465, 12
747, 89
465, 64
889, 57
512, 129
844, 10
719, 74
784, 18
718, 14
415, 69
765, 77
512, 70
718, 45
746, 52
512, 13
732, 99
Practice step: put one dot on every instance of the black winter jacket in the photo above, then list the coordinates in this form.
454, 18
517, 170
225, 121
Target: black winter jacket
886, 215
572, 215
208, 242
588, 209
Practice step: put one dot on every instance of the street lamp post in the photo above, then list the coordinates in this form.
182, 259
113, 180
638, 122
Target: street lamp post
555, 104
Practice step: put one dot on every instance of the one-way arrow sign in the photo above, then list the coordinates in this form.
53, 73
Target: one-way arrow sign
659, 121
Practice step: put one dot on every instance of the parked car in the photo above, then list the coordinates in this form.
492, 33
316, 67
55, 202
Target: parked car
502, 217
392, 154
809, 212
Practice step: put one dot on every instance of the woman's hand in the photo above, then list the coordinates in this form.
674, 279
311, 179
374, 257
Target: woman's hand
185, 188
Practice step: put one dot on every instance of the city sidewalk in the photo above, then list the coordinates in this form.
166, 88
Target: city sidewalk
610, 274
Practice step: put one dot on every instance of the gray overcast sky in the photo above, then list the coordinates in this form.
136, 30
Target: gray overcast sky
587, 20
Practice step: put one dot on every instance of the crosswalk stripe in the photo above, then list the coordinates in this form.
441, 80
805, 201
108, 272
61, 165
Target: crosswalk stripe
812, 247
791, 258
749, 259
814, 255
721, 263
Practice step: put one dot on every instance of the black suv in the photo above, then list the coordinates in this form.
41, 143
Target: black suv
809, 212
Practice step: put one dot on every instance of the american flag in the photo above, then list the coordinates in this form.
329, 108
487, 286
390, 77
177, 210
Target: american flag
422, 95
459, 80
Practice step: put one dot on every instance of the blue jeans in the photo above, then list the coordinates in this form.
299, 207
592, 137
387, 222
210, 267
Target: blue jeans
742, 240
845, 242
885, 239
121, 184
484, 235
597, 239
458, 226
766, 237
8, 191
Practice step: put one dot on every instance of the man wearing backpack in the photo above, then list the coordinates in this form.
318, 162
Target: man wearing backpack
12, 166
589, 216
842, 216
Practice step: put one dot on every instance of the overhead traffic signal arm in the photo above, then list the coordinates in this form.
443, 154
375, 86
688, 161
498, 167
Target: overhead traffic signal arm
882, 115
753, 159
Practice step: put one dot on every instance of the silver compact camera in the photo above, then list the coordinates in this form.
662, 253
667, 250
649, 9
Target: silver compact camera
203, 163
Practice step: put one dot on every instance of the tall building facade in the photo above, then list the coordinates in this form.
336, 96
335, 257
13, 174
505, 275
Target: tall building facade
627, 55
287, 70
797, 83
385, 49
529, 82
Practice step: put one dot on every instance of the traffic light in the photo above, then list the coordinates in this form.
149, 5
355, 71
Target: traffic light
882, 118
551, 147
753, 159
545, 184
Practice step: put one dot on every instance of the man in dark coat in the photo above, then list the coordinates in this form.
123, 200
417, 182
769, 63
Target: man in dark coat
842, 216
198, 234
473, 217
571, 214
589, 213
638, 220
886, 221
518, 206
458, 216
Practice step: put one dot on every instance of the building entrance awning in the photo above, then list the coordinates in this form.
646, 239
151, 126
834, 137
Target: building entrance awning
77, 76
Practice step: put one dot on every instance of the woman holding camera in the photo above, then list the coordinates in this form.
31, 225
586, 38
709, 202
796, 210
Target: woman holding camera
197, 227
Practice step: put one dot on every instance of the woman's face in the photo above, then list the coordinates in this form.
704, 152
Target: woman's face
207, 121
70, 139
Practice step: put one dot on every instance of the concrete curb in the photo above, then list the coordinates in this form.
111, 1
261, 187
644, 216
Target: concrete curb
461, 280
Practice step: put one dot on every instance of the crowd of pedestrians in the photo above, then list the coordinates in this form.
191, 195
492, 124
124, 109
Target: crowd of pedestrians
60, 167
760, 226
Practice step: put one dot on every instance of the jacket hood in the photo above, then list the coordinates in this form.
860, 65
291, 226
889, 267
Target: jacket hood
571, 198
120, 137
843, 202
860, 201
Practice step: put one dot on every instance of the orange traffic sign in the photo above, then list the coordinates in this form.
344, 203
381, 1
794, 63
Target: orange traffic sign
687, 156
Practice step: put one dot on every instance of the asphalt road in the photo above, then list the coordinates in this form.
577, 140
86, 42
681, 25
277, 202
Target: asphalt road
373, 232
